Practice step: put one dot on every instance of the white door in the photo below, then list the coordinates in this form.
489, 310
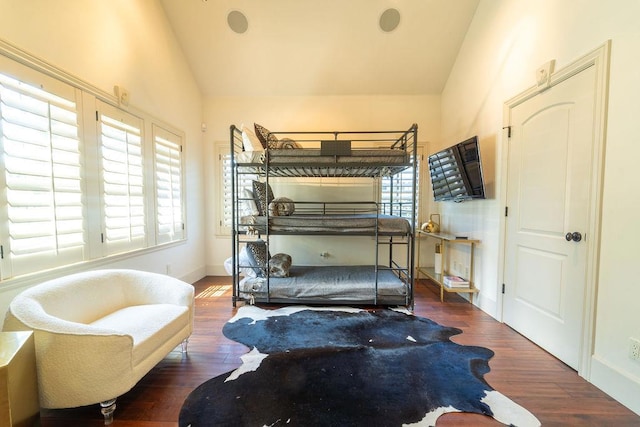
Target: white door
548, 199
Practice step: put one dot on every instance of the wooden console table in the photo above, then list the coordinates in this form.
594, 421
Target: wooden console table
19, 406
429, 272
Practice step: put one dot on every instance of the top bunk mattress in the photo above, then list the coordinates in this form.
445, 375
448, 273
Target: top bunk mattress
313, 155
310, 162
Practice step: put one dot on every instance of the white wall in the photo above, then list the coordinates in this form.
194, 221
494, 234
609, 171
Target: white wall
307, 113
507, 41
127, 43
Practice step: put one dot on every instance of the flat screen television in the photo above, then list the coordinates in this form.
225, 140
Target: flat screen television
456, 172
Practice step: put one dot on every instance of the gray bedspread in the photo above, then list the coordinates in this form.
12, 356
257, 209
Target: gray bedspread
308, 162
312, 156
349, 283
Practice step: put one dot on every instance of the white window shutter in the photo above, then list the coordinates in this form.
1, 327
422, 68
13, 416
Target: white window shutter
168, 161
42, 170
401, 194
245, 179
227, 204
123, 192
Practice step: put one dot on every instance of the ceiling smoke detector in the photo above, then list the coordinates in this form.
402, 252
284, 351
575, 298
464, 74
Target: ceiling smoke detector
389, 20
237, 22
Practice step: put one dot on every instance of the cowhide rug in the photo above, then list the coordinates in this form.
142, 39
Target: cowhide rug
341, 366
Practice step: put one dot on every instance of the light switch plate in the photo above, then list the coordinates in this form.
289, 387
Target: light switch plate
543, 74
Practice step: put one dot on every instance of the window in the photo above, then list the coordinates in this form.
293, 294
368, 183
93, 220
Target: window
397, 193
123, 191
41, 155
224, 159
168, 165
245, 179
81, 178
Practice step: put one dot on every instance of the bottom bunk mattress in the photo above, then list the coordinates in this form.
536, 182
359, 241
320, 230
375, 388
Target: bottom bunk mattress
327, 284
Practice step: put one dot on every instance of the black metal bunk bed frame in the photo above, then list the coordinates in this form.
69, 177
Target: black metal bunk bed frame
406, 141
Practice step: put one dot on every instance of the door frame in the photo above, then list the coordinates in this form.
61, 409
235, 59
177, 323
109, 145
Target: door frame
598, 58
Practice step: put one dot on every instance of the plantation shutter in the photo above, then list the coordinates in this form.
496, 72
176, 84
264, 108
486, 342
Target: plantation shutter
169, 193
397, 193
41, 166
245, 179
227, 205
123, 194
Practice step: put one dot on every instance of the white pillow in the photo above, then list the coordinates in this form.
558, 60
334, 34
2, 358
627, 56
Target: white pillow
250, 206
250, 141
228, 265
244, 260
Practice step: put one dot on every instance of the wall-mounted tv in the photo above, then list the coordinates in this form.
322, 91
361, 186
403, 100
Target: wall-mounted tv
456, 172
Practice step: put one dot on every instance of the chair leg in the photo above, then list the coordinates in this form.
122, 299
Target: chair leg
183, 345
107, 408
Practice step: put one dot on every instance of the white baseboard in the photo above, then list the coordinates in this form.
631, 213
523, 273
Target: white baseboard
621, 386
195, 275
486, 304
216, 270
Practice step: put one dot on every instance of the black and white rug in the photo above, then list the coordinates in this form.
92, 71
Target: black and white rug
340, 366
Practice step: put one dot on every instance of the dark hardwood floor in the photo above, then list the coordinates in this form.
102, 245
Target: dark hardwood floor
522, 371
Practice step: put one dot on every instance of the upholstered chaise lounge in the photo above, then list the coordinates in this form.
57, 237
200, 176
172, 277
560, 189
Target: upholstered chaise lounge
98, 333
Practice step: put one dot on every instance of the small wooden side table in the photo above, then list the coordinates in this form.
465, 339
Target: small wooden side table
429, 272
19, 405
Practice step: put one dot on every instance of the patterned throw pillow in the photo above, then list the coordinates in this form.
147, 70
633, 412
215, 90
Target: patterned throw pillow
281, 206
258, 256
266, 138
279, 265
285, 143
264, 195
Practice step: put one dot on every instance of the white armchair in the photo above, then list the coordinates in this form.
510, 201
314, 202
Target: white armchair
98, 333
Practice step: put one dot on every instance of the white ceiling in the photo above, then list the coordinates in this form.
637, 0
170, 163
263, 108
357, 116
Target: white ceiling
320, 47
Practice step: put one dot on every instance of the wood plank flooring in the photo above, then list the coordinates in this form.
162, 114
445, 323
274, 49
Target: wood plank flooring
522, 371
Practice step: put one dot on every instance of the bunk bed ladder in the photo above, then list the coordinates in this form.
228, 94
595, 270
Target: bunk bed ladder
234, 224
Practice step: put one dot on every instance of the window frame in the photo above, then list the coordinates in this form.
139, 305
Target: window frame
122, 161
223, 189
35, 104
421, 200
178, 229
222, 153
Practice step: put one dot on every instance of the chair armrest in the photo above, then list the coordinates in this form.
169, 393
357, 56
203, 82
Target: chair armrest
82, 369
27, 314
77, 364
154, 288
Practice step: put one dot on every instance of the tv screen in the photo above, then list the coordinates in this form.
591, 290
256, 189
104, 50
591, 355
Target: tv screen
456, 172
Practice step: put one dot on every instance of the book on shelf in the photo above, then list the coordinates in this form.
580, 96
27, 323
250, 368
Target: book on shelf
455, 282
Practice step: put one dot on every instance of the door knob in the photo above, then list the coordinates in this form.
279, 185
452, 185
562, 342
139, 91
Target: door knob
575, 236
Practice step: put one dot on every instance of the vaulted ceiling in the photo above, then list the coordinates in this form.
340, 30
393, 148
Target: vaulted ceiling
312, 47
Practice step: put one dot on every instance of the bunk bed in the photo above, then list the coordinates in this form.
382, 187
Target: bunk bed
258, 216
